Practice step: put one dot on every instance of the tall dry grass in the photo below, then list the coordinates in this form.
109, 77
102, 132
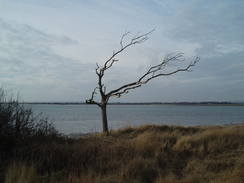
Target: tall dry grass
145, 154
19, 172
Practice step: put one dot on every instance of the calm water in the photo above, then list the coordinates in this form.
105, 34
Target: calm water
87, 118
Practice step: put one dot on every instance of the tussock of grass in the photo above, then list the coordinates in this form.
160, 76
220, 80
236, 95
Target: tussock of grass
145, 154
19, 172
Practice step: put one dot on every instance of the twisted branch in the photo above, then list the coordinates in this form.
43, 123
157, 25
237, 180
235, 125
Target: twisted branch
109, 63
137, 39
91, 100
153, 72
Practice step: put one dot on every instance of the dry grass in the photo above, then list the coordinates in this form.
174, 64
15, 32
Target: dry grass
19, 172
146, 154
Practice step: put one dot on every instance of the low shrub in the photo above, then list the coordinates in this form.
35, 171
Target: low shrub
20, 131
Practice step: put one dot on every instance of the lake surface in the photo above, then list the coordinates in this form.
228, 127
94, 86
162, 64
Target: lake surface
87, 118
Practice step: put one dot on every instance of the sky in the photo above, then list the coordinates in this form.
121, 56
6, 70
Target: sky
49, 49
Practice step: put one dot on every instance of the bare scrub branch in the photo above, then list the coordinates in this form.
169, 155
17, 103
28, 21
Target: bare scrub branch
118, 94
137, 39
154, 75
109, 63
171, 57
97, 69
91, 100
153, 72
141, 38
122, 38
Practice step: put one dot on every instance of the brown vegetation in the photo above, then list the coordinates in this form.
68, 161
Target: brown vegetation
150, 153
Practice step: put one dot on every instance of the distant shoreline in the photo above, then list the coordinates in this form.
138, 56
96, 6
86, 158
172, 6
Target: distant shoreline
145, 103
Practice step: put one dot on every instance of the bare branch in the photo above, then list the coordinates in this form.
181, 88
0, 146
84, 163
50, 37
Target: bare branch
161, 66
135, 40
97, 69
109, 63
153, 73
118, 94
107, 67
91, 100
141, 38
121, 41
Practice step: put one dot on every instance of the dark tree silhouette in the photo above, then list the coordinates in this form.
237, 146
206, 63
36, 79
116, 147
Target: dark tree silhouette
152, 72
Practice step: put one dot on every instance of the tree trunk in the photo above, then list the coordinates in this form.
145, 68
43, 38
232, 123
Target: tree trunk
104, 117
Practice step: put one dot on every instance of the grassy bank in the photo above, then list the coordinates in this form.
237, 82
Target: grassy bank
143, 154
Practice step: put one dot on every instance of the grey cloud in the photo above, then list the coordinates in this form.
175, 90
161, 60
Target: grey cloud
12, 32
65, 40
218, 28
27, 58
11, 60
210, 23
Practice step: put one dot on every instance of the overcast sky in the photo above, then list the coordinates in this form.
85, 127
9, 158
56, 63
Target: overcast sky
49, 49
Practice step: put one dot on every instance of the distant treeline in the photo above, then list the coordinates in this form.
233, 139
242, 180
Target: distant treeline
143, 103
179, 103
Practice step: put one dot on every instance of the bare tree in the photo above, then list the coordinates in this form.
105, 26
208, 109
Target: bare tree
152, 72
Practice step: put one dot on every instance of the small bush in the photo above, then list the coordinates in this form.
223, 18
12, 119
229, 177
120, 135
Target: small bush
19, 128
